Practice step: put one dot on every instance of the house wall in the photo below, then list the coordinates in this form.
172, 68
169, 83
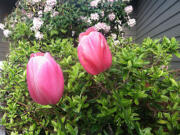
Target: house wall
158, 18
4, 47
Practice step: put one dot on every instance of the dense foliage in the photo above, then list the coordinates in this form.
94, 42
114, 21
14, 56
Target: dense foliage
66, 18
137, 95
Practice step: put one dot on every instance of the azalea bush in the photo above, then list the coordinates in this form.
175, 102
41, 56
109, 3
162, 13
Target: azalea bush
138, 94
44, 19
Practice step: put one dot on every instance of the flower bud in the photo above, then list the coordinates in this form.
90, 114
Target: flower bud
45, 79
93, 52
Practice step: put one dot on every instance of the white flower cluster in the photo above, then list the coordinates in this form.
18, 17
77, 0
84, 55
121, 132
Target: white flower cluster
111, 16
2, 26
35, 1
6, 32
37, 23
131, 22
128, 9
39, 35
50, 5
94, 3
95, 16
114, 36
102, 26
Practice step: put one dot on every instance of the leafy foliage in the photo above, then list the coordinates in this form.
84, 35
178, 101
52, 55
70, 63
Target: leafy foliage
137, 95
74, 16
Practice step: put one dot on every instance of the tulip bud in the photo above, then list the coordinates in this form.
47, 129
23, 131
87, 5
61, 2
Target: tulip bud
45, 79
93, 52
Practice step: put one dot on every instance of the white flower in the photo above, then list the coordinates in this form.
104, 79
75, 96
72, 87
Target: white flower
95, 16
35, 1
94, 3
116, 42
2, 26
102, 26
37, 23
40, 13
111, 16
126, 0
51, 3
89, 21
73, 33
131, 22
47, 9
55, 13
7, 33
128, 9
113, 35
38, 35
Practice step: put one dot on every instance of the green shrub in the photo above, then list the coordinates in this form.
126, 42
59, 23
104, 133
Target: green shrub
66, 19
137, 95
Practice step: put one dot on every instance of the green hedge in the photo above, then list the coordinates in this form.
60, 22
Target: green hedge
136, 96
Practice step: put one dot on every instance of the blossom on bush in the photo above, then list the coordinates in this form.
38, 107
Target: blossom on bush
128, 9
40, 13
37, 23
93, 52
54, 13
94, 3
131, 22
2, 26
102, 26
116, 42
45, 79
47, 9
35, 1
114, 36
38, 35
7, 33
111, 16
51, 3
95, 16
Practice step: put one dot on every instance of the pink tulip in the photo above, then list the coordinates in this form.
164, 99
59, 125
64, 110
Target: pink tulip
93, 52
45, 79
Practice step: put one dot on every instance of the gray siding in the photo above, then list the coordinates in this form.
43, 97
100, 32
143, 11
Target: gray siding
4, 47
158, 18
